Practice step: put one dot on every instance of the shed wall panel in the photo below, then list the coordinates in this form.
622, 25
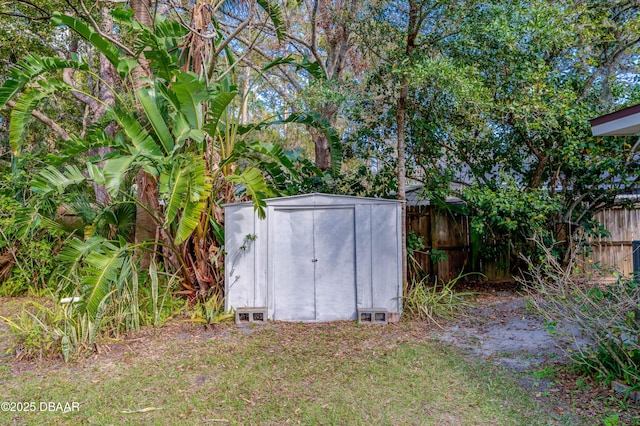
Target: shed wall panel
292, 264
385, 257
364, 259
261, 258
240, 259
334, 260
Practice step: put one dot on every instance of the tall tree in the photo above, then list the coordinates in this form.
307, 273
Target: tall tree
405, 35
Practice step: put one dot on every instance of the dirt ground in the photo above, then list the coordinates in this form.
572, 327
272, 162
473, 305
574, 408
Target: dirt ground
499, 329
502, 330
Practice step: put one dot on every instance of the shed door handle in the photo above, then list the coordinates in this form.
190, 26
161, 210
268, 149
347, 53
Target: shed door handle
314, 260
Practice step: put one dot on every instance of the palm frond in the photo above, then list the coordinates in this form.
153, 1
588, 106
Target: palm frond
161, 49
275, 14
28, 69
255, 185
95, 137
27, 221
312, 68
100, 276
114, 172
217, 108
189, 220
198, 191
142, 142
85, 31
174, 185
76, 249
190, 92
148, 100
21, 113
53, 180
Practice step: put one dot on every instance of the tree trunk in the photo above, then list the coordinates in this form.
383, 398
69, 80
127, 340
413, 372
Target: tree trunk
320, 141
142, 14
536, 180
105, 93
400, 148
142, 11
413, 27
338, 43
146, 223
323, 153
244, 114
147, 186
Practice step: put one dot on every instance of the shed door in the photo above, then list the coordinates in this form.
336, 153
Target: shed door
314, 264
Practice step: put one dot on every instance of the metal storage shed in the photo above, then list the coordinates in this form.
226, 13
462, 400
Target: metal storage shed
316, 257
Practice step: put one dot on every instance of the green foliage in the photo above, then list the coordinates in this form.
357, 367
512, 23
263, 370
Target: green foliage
106, 302
506, 218
285, 172
613, 420
27, 247
60, 329
414, 243
605, 315
504, 90
31, 264
186, 188
364, 182
210, 311
90, 34
36, 331
616, 354
312, 68
435, 302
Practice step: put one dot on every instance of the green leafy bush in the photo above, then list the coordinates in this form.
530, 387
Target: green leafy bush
27, 249
36, 331
504, 219
606, 314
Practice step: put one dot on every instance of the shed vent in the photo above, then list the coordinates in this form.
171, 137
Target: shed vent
251, 315
373, 316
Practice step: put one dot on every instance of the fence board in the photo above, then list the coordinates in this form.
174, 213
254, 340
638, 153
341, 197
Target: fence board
450, 234
614, 253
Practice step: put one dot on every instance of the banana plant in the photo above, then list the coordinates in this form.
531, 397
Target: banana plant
173, 127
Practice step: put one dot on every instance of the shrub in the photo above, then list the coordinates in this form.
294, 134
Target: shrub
27, 252
68, 329
605, 314
434, 302
36, 331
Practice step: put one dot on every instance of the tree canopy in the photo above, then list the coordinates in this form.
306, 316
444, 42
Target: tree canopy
127, 125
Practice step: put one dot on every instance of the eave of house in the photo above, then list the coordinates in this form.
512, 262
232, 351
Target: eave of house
625, 122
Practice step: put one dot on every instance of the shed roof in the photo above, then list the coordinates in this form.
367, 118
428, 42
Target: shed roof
625, 122
316, 198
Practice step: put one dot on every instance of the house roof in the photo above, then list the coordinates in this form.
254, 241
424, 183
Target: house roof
625, 122
415, 198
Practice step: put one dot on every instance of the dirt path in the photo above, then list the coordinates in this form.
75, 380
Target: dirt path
502, 330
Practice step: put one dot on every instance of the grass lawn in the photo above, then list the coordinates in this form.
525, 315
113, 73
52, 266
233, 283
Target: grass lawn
338, 373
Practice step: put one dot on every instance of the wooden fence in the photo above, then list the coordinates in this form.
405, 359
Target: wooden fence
448, 233
448, 251
614, 253
446, 240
